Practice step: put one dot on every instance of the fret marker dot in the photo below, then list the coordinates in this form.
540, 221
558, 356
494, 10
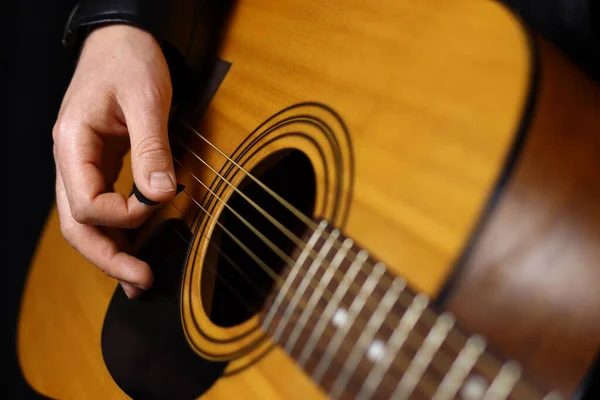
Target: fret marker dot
375, 351
340, 317
474, 388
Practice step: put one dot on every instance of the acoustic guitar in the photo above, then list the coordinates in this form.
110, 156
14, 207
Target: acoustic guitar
381, 199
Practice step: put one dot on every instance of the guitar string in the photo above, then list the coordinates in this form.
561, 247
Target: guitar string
289, 262
442, 362
426, 379
456, 338
429, 316
212, 266
235, 265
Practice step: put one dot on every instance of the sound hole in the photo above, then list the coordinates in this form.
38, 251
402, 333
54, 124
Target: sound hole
230, 297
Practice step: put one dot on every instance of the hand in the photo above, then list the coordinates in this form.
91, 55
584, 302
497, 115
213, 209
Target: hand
119, 97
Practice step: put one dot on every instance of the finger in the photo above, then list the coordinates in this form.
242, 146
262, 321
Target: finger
131, 291
97, 247
79, 155
117, 236
146, 117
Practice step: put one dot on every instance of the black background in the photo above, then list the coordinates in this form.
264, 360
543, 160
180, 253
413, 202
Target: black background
35, 74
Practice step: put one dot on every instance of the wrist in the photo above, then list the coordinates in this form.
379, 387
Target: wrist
171, 22
109, 37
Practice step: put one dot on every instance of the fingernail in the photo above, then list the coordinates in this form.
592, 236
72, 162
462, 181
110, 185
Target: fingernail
129, 292
137, 285
162, 182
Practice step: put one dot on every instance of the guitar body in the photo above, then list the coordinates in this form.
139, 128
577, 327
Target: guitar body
441, 138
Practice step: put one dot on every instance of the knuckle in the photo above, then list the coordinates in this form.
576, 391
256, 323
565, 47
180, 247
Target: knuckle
65, 123
119, 217
107, 251
106, 208
158, 92
153, 149
80, 214
57, 130
152, 94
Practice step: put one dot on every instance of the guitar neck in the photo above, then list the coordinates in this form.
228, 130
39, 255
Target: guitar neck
358, 330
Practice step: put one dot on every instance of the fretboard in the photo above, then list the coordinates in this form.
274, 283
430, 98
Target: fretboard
361, 332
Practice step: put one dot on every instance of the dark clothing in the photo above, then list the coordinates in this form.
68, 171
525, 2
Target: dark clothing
169, 21
36, 72
185, 26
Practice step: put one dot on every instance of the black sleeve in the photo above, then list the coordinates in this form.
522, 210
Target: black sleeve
187, 26
185, 29
171, 22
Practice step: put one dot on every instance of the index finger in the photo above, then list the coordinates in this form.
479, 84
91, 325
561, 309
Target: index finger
79, 158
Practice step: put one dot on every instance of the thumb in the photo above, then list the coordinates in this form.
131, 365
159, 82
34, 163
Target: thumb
151, 159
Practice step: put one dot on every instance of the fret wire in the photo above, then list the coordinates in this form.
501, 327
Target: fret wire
318, 293
332, 306
491, 359
355, 307
306, 279
395, 342
366, 337
424, 355
322, 222
460, 368
350, 273
292, 274
456, 338
253, 256
505, 381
